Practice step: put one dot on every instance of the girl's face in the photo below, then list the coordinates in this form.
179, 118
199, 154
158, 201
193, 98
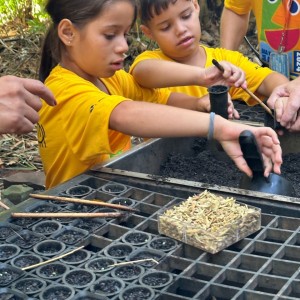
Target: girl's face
98, 49
177, 29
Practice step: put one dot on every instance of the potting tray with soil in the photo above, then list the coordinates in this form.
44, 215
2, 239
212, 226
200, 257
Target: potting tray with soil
127, 258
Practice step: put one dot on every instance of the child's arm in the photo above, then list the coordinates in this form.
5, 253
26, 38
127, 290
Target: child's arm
156, 73
199, 104
153, 120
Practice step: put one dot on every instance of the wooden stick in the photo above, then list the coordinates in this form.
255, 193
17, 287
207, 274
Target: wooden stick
67, 215
133, 262
52, 259
264, 106
84, 202
4, 205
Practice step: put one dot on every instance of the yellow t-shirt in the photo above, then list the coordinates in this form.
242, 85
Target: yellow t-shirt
74, 135
271, 19
255, 74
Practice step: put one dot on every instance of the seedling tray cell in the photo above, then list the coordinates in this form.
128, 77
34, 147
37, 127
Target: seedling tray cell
7, 229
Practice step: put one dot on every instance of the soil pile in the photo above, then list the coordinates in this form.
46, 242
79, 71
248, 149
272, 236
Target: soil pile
204, 167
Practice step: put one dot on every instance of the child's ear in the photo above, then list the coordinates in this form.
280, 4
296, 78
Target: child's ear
197, 6
146, 31
66, 31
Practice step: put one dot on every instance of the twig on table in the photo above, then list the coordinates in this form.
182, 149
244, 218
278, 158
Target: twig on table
82, 201
133, 262
68, 215
52, 259
4, 205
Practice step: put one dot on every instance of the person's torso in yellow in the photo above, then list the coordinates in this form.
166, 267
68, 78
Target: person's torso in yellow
255, 74
74, 135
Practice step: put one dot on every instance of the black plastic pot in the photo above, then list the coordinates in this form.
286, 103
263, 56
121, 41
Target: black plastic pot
88, 224
9, 294
79, 278
23, 222
79, 191
9, 274
123, 201
100, 264
108, 286
25, 239
163, 243
114, 188
57, 292
49, 248
47, 227
85, 295
7, 229
42, 207
127, 272
218, 95
70, 235
137, 292
77, 257
80, 207
8, 251
118, 250
52, 270
29, 286
25, 260
156, 279
137, 238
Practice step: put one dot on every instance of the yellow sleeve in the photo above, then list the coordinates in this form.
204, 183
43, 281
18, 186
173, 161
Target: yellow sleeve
238, 6
132, 90
255, 74
149, 54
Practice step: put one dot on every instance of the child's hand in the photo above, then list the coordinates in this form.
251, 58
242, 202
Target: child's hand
232, 75
232, 112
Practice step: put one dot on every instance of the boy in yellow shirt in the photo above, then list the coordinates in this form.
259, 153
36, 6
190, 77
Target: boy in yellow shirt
175, 27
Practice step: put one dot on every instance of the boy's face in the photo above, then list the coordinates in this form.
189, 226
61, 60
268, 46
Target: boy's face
177, 29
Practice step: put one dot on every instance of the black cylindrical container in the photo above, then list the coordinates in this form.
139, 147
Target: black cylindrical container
218, 96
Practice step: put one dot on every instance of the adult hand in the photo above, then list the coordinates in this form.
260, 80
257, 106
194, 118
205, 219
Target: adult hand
287, 108
20, 102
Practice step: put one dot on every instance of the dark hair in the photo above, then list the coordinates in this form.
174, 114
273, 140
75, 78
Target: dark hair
149, 8
79, 12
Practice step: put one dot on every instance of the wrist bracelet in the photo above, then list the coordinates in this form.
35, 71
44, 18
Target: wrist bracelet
211, 127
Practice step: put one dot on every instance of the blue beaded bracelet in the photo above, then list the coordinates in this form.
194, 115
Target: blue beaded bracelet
211, 127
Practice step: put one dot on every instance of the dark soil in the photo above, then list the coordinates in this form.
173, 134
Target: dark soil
128, 272
46, 227
70, 236
135, 293
7, 276
119, 251
8, 251
156, 279
26, 239
23, 261
100, 264
76, 257
164, 244
79, 278
57, 293
137, 238
53, 270
203, 167
30, 285
108, 286
89, 224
